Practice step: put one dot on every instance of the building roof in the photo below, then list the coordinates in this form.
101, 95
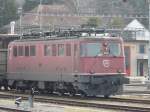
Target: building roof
134, 25
135, 30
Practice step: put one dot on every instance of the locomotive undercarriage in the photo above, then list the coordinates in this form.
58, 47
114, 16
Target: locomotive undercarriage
84, 85
101, 85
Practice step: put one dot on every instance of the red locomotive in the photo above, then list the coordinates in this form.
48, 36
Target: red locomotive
85, 65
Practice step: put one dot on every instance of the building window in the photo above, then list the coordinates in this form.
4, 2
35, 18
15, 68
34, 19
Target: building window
68, 50
141, 49
26, 50
140, 33
54, 50
15, 51
20, 51
47, 50
32, 51
60, 49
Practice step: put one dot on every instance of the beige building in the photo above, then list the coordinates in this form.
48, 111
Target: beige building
136, 52
136, 49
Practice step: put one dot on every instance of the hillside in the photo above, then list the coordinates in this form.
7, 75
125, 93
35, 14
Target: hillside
100, 7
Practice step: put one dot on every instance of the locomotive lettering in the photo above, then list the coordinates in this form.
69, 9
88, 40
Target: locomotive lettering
106, 63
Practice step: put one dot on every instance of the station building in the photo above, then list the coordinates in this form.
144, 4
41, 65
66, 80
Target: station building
136, 38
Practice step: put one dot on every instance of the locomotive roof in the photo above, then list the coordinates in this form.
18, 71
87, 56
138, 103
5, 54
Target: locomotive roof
67, 34
69, 38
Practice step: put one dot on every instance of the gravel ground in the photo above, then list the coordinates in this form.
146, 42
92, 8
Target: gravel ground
47, 107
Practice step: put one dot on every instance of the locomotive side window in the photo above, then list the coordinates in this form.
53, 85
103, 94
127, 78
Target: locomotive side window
54, 50
26, 50
32, 51
47, 50
68, 50
20, 51
83, 49
114, 49
15, 51
60, 49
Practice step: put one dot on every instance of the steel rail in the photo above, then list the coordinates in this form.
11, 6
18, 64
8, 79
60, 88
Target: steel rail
12, 109
95, 105
84, 102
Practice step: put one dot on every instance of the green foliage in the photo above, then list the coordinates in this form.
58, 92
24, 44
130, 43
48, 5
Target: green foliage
29, 5
8, 11
9, 8
117, 22
93, 22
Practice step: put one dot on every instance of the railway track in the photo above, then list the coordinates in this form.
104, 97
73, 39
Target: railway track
89, 102
12, 109
137, 92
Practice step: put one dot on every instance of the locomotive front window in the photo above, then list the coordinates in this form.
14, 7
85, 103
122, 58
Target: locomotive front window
90, 49
114, 49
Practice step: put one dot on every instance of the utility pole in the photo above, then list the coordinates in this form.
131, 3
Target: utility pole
77, 6
1, 12
20, 21
40, 15
149, 45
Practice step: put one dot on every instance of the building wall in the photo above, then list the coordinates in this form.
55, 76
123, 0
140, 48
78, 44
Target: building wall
136, 57
132, 59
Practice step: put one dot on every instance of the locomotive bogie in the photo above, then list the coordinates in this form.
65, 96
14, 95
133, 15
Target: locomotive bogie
100, 85
92, 86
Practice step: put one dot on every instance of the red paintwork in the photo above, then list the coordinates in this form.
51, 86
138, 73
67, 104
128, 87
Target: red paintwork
96, 65
62, 64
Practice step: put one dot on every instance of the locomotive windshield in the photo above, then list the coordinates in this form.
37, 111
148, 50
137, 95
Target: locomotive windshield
114, 49
100, 49
90, 49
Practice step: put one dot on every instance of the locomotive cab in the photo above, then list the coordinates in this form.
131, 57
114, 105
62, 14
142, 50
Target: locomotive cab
102, 57
102, 66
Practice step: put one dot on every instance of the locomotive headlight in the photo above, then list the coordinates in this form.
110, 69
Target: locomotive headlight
119, 71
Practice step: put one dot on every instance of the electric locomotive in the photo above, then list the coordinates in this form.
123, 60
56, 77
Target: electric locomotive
86, 65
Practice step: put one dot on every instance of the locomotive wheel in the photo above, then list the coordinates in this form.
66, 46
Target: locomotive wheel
82, 94
106, 96
60, 94
71, 94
